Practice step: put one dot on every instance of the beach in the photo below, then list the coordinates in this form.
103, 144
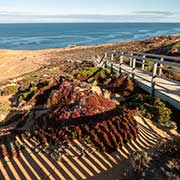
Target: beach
90, 90
33, 84
15, 63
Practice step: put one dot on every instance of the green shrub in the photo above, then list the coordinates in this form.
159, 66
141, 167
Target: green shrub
173, 74
8, 90
152, 108
87, 138
141, 162
90, 71
177, 45
26, 96
149, 65
104, 72
74, 134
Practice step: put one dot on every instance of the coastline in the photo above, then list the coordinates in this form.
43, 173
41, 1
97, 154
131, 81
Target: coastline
14, 63
174, 36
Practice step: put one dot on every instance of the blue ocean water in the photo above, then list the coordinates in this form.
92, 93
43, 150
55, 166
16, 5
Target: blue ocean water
55, 35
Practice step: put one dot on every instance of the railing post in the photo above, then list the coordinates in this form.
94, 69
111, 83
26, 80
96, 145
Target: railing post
160, 67
130, 60
133, 67
121, 62
143, 62
105, 57
112, 59
153, 78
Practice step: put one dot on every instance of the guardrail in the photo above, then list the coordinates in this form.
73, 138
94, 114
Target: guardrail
147, 67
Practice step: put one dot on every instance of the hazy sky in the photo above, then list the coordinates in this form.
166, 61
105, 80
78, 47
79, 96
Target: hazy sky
89, 11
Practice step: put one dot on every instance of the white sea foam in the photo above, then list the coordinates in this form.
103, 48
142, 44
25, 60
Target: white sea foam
36, 37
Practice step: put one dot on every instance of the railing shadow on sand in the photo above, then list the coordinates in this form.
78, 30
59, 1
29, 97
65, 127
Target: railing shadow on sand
80, 160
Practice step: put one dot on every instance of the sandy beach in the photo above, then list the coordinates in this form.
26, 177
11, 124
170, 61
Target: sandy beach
14, 63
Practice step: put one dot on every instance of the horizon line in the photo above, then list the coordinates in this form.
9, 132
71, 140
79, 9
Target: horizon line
163, 22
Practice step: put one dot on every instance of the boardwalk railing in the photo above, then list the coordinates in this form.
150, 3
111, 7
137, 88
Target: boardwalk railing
147, 70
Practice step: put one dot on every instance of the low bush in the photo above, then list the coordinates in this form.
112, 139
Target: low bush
113, 82
140, 162
29, 92
149, 65
26, 96
152, 108
122, 85
173, 73
8, 90
104, 134
176, 45
90, 71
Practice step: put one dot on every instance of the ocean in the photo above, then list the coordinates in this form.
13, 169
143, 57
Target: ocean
56, 35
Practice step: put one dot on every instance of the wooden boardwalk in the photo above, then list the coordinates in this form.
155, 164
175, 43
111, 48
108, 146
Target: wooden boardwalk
93, 164
152, 82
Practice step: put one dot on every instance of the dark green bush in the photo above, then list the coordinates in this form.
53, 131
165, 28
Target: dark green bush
28, 94
88, 72
152, 108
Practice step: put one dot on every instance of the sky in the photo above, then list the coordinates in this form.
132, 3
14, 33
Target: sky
27, 11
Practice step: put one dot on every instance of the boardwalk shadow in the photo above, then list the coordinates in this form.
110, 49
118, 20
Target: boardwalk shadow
80, 161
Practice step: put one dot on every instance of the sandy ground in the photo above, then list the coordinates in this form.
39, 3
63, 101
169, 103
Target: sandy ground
14, 63
110, 166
